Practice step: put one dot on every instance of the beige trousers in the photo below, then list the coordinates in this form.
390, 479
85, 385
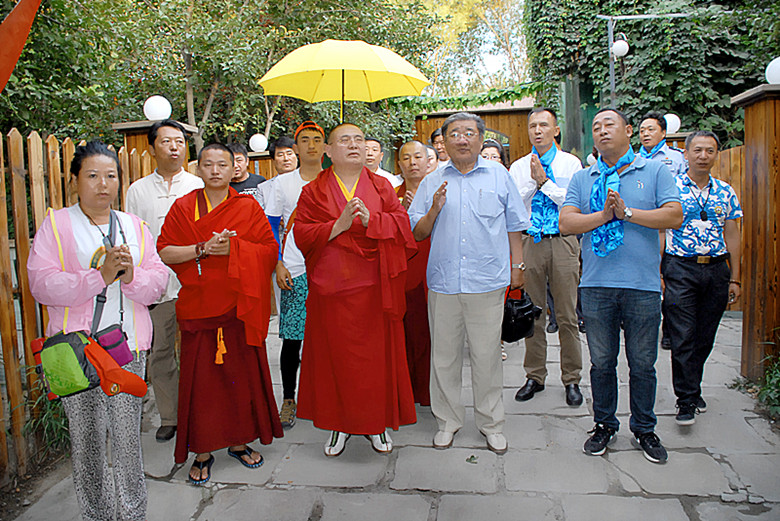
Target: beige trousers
453, 319
556, 260
162, 368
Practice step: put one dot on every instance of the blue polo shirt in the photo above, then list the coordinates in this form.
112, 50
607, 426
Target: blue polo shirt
469, 242
644, 185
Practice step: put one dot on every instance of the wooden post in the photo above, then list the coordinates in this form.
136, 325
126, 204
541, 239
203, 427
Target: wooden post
124, 163
22, 232
8, 333
54, 171
68, 149
37, 180
760, 237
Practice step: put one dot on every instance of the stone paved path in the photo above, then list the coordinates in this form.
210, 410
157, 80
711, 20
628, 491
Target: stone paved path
725, 467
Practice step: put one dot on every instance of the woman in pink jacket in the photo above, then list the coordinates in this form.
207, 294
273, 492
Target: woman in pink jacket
72, 261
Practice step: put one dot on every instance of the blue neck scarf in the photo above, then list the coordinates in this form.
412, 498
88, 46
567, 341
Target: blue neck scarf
544, 211
647, 155
607, 237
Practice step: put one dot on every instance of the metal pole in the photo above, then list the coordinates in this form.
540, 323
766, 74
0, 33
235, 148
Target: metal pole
611, 39
341, 114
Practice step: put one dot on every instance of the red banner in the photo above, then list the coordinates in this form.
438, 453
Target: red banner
13, 33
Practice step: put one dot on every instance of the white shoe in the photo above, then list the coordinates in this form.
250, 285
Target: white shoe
336, 443
443, 440
496, 442
381, 442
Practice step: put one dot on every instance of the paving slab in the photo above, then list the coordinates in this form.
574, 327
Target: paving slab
376, 507
304, 431
680, 475
721, 512
496, 508
227, 469
544, 471
158, 457
551, 401
446, 470
760, 473
601, 508
58, 503
357, 466
260, 505
161, 508
419, 434
720, 432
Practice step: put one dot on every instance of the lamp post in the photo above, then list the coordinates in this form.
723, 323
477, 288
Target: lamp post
620, 50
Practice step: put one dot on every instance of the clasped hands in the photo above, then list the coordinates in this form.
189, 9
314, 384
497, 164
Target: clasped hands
354, 208
219, 244
614, 206
118, 264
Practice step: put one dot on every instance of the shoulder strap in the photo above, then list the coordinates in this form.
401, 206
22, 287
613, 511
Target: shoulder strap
62, 259
100, 299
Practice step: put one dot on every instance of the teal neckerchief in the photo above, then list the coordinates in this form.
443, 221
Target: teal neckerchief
544, 211
607, 237
647, 155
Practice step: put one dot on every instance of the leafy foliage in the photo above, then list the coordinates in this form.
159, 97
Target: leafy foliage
690, 66
50, 424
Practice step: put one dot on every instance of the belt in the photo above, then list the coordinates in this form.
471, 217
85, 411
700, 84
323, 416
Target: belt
703, 259
544, 235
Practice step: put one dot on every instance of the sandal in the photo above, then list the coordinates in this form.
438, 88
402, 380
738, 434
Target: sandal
200, 465
248, 453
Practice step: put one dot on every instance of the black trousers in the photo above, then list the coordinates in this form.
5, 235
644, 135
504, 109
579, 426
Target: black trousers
695, 298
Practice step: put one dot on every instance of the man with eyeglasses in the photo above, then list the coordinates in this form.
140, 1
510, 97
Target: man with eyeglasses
355, 237
471, 209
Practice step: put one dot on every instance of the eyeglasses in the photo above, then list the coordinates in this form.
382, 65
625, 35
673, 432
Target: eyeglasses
346, 140
469, 134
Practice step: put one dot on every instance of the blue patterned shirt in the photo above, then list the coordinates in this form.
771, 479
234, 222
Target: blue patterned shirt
697, 236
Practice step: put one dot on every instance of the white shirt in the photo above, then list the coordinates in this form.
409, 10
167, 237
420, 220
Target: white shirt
264, 190
563, 166
394, 179
150, 199
281, 202
91, 253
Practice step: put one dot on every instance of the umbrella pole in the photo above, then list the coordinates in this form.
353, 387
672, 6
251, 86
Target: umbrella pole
341, 114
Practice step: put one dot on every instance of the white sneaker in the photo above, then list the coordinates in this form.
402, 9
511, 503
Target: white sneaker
496, 442
336, 443
443, 440
381, 442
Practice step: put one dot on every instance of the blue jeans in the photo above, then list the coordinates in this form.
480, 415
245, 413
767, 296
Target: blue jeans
605, 309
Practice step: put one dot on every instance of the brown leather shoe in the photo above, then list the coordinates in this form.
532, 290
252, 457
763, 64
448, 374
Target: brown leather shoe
165, 433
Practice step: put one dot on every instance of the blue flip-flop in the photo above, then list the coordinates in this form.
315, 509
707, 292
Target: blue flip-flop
246, 452
200, 465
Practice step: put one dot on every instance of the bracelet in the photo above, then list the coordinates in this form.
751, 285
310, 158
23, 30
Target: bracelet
200, 250
738, 283
520, 266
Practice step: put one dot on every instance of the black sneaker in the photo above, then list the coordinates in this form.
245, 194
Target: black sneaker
602, 436
686, 414
701, 405
666, 343
651, 446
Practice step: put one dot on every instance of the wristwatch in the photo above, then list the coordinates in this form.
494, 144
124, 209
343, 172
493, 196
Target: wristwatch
520, 266
628, 214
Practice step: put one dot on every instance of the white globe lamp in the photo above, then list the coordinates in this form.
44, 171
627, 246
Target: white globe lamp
620, 48
157, 108
258, 143
591, 159
672, 123
773, 72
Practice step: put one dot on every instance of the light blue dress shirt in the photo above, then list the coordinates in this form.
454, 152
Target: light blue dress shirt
673, 158
469, 242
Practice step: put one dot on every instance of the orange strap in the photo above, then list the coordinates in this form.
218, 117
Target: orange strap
221, 349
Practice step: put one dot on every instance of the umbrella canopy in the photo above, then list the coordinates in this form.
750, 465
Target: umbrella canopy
339, 70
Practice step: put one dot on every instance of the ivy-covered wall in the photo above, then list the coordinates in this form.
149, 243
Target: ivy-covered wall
690, 66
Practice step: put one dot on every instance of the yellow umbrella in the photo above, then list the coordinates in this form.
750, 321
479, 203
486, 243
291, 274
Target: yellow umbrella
339, 70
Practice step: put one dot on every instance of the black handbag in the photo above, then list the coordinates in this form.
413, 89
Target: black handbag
519, 317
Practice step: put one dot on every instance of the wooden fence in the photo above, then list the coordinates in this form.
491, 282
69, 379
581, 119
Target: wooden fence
37, 173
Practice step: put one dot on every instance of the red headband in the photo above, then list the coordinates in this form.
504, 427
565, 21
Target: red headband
308, 124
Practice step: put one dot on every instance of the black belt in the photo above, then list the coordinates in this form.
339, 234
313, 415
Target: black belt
544, 235
702, 259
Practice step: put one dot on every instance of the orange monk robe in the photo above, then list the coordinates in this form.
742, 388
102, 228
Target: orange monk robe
354, 376
416, 329
225, 399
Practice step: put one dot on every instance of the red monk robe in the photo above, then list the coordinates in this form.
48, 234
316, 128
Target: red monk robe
418, 334
225, 398
354, 376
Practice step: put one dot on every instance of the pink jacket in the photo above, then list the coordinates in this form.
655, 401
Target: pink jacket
69, 293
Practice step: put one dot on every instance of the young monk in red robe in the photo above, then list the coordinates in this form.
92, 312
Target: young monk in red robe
413, 160
356, 238
222, 249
